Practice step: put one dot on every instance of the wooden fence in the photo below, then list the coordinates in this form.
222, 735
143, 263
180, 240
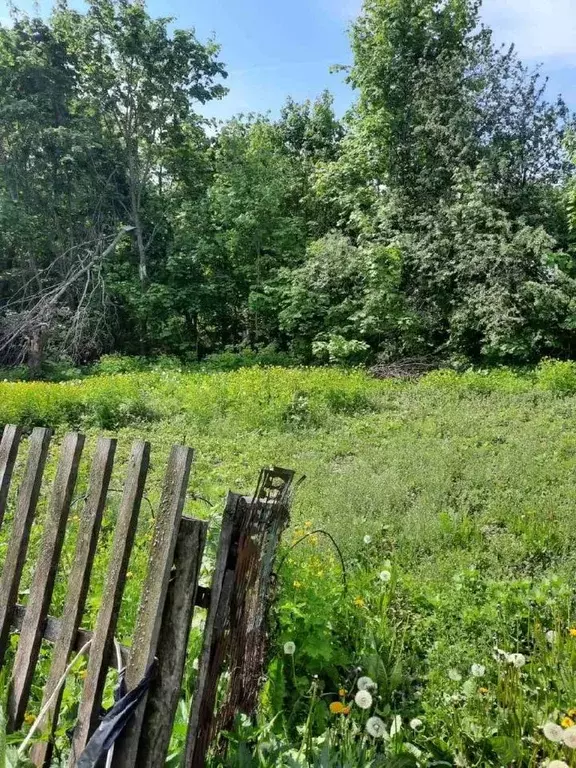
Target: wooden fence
236, 602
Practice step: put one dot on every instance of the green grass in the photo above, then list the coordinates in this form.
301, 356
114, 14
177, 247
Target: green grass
464, 485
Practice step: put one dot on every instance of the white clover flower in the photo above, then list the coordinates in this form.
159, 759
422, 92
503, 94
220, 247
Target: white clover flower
553, 732
366, 684
558, 764
363, 699
367, 539
517, 660
396, 726
478, 670
289, 648
385, 576
416, 723
551, 636
569, 737
454, 675
376, 728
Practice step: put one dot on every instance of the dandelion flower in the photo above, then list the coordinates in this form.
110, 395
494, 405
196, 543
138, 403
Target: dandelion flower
29, 719
517, 660
567, 722
454, 675
558, 764
337, 708
551, 636
342, 692
483, 691
289, 648
359, 602
346, 710
572, 713
376, 728
572, 631
365, 684
396, 726
478, 670
416, 723
363, 699
569, 737
385, 576
367, 539
553, 732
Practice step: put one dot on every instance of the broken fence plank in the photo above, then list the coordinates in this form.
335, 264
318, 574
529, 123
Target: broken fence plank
44, 577
165, 690
213, 647
78, 582
23, 518
148, 622
124, 532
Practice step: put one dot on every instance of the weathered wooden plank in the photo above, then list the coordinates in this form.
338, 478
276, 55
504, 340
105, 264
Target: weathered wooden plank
23, 519
8, 452
212, 655
78, 586
89, 711
44, 577
52, 633
165, 690
149, 619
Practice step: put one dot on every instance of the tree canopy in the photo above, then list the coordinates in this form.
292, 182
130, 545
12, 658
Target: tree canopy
438, 217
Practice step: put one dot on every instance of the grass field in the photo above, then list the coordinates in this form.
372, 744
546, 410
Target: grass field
452, 501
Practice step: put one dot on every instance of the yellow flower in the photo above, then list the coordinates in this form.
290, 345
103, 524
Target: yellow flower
483, 691
337, 708
297, 584
308, 524
572, 712
129, 575
572, 631
346, 710
567, 722
342, 693
360, 602
29, 719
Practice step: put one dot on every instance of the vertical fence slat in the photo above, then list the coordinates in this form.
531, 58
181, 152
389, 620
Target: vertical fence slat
44, 577
124, 533
165, 690
8, 452
147, 629
202, 711
79, 579
23, 519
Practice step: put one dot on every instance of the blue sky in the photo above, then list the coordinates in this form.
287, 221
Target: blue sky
277, 48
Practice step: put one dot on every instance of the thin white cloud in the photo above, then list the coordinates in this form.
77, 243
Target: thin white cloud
540, 29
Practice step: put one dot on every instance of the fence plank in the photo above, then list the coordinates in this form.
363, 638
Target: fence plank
44, 577
211, 657
165, 690
154, 591
79, 580
8, 452
23, 519
124, 533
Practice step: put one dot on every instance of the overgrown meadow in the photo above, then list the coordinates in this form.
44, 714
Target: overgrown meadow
425, 614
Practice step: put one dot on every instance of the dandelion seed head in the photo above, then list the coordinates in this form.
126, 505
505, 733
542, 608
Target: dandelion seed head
553, 732
551, 636
569, 737
478, 670
416, 723
376, 728
454, 675
289, 648
363, 699
366, 684
385, 576
517, 660
367, 539
558, 764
